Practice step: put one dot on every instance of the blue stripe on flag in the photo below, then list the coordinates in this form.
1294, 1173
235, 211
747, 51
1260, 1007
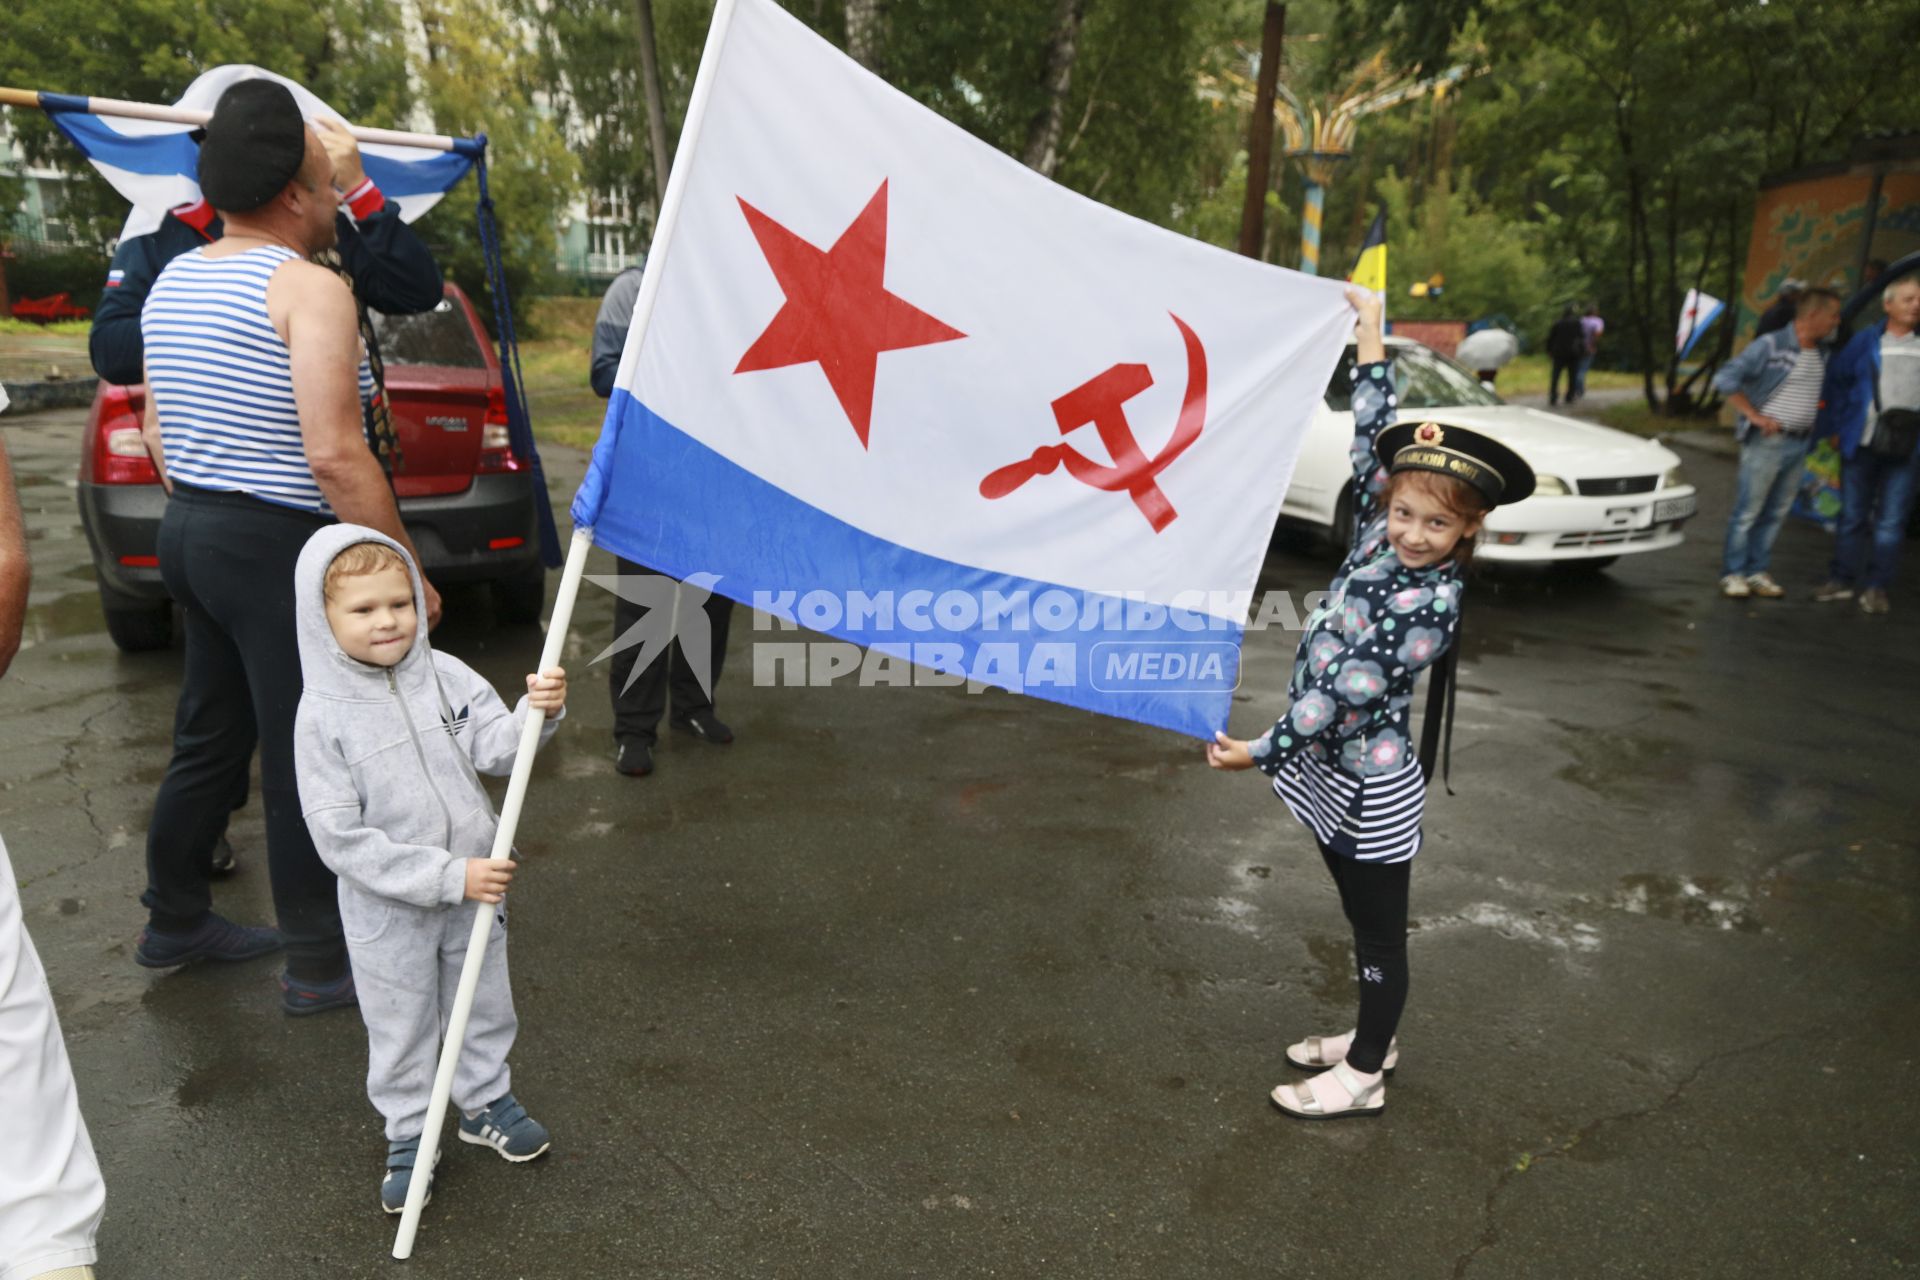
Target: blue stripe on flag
158, 155
164, 155
655, 495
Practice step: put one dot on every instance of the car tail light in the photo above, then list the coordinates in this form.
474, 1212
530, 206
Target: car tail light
496, 443
119, 451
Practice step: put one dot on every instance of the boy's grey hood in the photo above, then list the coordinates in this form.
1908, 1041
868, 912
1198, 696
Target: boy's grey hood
324, 667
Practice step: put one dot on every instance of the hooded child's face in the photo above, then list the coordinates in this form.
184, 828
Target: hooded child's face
372, 615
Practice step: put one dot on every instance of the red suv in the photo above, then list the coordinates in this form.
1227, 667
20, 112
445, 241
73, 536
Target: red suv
464, 495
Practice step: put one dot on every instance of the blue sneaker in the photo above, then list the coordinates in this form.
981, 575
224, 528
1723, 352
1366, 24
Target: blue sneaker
216, 938
504, 1125
300, 997
399, 1176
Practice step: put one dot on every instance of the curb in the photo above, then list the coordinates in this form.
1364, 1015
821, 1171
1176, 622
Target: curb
67, 393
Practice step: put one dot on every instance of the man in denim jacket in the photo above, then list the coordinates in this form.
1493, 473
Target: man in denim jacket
1775, 385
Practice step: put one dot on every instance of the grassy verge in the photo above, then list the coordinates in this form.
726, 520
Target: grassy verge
563, 406
1528, 376
1633, 416
63, 328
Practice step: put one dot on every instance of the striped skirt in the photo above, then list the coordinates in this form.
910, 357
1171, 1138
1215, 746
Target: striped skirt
1373, 819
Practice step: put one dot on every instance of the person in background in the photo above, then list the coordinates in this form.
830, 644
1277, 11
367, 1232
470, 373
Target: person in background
1873, 405
1566, 343
51, 1194
1780, 314
392, 272
1775, 386
637, 709
1591, 327
249, 478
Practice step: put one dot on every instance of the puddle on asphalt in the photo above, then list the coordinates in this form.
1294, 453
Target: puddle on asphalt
1706, 900
1331, 977
1546, 928
76, 614
1603, 759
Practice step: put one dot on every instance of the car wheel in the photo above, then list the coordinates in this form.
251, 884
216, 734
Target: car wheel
1340, 532
519, 600
135, 625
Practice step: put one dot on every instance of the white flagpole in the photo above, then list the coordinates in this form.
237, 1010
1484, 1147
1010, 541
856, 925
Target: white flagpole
483, 912
550, 654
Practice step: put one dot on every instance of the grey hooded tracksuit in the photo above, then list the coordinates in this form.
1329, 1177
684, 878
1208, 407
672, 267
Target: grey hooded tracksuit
387, 760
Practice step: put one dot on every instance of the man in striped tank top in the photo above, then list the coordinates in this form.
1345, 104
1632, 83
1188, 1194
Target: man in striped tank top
253, 417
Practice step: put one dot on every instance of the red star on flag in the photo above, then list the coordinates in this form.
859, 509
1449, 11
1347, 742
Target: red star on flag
838, 311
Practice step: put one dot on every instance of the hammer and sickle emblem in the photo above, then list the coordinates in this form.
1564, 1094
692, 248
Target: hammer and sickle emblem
1101, 401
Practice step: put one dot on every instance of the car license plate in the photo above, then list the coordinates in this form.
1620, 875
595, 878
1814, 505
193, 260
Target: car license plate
1675, 508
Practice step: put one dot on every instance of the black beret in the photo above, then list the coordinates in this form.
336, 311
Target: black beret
1500, 474
252, 147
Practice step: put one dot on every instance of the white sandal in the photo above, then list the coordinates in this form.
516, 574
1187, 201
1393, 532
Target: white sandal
1317, 1053
1336, 1094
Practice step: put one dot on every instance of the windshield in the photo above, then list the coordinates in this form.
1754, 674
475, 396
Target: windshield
441, 336
1423, 377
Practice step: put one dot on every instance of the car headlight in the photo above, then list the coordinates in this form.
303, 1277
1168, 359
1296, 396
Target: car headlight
1672, 480
1549, 486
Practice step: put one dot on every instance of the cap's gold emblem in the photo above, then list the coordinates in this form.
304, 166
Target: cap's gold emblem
1428, 433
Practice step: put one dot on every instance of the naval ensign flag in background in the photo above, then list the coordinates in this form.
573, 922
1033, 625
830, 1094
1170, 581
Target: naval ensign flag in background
886, 380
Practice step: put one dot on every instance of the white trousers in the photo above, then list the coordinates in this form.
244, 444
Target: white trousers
406, 968
51, 1195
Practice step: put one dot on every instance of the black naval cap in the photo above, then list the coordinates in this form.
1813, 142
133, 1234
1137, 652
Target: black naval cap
252, 147
1497, 472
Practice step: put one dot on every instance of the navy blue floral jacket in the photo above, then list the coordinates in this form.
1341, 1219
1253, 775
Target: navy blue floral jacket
1379, 627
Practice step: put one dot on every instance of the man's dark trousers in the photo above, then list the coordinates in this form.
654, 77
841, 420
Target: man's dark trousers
228, 559
636, 713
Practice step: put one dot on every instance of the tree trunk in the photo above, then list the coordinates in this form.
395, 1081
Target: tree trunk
1043, 134
1260, 132
656, 104
866, 21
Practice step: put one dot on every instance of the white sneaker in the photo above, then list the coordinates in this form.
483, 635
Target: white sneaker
1763, 584
1734, 587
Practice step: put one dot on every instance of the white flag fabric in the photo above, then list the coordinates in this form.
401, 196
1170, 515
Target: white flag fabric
156, 165
888, 382
1696, 313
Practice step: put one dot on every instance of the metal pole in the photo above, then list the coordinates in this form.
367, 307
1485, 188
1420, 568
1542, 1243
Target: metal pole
1310, 228
1260, 132
483, 912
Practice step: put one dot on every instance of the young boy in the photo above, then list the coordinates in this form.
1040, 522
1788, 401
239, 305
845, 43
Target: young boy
388, 741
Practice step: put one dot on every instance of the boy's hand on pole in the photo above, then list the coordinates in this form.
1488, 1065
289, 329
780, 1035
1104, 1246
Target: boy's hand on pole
487, 878
548, 691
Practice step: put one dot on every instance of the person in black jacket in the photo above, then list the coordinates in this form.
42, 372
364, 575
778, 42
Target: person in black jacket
392, 270
1566, 347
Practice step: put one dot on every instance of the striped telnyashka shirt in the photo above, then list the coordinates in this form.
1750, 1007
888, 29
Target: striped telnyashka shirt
222, 382
1796, 401
1374, 819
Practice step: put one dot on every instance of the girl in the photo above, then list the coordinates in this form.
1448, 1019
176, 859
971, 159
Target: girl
1339, 757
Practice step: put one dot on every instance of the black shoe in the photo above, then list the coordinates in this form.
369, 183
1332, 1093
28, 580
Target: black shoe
300, 997
634, 758
707, 727
217, 938
221, 863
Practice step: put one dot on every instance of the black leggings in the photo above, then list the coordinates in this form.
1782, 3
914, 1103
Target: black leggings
1374, 897
228, 560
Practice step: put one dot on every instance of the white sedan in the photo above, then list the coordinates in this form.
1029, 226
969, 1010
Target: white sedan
1602, 493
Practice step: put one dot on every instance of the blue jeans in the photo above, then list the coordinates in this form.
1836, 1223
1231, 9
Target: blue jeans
1578, 386
1876, 496
1769, 477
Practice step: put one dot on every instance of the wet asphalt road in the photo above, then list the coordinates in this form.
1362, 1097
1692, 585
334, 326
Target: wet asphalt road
924, 983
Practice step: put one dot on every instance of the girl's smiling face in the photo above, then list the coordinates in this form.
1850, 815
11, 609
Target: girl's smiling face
1428, 515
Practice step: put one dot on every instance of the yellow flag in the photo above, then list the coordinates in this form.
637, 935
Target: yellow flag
1370, 270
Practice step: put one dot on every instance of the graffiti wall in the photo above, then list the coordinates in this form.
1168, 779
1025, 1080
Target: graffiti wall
1812, 229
